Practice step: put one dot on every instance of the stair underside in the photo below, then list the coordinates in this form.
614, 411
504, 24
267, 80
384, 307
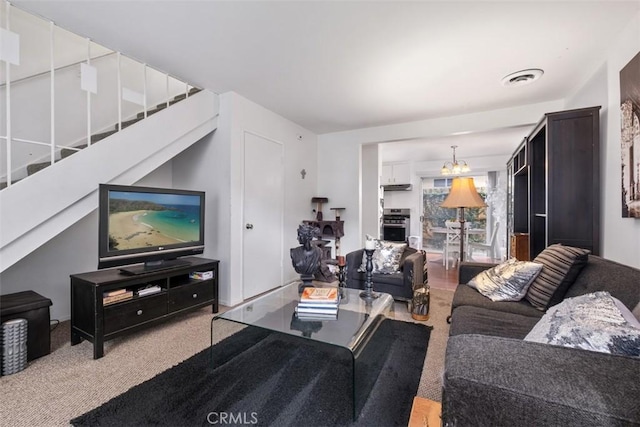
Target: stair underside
67, 191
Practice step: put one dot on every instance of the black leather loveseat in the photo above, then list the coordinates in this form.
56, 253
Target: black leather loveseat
400, 285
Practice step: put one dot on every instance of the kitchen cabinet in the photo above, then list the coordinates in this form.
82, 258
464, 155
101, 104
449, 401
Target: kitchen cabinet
395, 174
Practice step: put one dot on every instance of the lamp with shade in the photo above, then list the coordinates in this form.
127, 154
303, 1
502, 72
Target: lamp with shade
463, 194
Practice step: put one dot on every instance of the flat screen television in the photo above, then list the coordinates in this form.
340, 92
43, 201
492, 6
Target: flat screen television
153, 226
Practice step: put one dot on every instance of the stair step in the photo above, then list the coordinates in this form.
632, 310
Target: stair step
65, 152
101, 136
182, 96
177, 98
128, 123
3, 184
163, 105
155, 110
36, 167
160, 107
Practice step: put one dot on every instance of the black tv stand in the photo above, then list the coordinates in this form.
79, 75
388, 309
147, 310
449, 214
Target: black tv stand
97, 320
152, 266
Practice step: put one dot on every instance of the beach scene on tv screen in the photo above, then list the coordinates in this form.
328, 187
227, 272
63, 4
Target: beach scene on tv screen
143, 220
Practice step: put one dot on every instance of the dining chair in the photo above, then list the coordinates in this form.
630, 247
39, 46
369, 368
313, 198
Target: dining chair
452, 242
415, 242
489, 248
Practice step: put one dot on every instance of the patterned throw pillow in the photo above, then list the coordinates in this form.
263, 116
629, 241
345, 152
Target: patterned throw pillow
590, 322
508, 281
386, 257
636, 311
560, 267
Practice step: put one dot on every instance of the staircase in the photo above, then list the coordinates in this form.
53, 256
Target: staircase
66, 152
56, 197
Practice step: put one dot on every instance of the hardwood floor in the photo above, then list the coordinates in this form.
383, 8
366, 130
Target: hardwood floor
441, 278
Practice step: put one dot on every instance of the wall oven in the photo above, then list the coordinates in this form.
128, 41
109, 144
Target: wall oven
395, 224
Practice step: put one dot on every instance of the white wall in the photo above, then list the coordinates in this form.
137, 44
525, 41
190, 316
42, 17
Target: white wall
206, 167
217, 167
334, 169
50, 250
32, 120
213, 164
75, 250
340, 175
620, 236
31, 80
340, 163
370, 191
64, 191
339, 171
412, 199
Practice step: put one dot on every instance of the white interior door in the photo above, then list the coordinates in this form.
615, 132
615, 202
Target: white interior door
263, 213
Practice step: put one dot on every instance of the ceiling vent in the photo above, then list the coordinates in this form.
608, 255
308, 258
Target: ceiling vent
523, 77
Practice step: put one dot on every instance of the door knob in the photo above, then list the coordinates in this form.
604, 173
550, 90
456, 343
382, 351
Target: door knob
249, 226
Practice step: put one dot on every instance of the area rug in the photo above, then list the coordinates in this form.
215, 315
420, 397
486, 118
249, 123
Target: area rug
257, 377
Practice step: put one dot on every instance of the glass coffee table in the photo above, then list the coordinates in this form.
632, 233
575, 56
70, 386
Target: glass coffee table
356, 323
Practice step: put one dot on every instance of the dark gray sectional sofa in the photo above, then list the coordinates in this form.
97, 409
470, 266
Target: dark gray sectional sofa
494, 378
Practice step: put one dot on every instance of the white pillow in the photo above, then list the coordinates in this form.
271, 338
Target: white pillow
590, 322
508, 281
386, 257
626, 314
636, 311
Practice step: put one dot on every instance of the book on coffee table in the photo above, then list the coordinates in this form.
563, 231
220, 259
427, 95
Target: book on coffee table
317, 310
316, 316
319, 295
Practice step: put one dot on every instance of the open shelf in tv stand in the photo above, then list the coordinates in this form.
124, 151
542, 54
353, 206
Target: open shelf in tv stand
97, 323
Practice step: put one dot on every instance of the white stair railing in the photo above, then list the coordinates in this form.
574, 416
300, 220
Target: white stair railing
80, 79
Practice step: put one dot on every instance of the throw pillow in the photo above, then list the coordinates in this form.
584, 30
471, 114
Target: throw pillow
636, 311
590, 322
386, 257
508, 281
560, 267
629, 316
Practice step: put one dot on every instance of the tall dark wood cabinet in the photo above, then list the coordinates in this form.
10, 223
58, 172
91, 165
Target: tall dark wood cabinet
554, 183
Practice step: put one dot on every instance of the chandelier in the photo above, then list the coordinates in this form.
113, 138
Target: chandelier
455, 167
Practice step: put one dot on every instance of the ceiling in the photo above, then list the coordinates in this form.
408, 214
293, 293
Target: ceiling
340, 65
497, 142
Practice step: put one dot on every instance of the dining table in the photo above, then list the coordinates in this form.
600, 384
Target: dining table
444, 231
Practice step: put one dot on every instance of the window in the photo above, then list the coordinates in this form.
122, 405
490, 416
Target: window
442, 182
434, 191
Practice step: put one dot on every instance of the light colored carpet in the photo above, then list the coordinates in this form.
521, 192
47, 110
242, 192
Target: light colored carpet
68, 382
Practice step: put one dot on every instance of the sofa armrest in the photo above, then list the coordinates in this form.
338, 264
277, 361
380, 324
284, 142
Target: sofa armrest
503, 381
468, 270
413, 270
353, 261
